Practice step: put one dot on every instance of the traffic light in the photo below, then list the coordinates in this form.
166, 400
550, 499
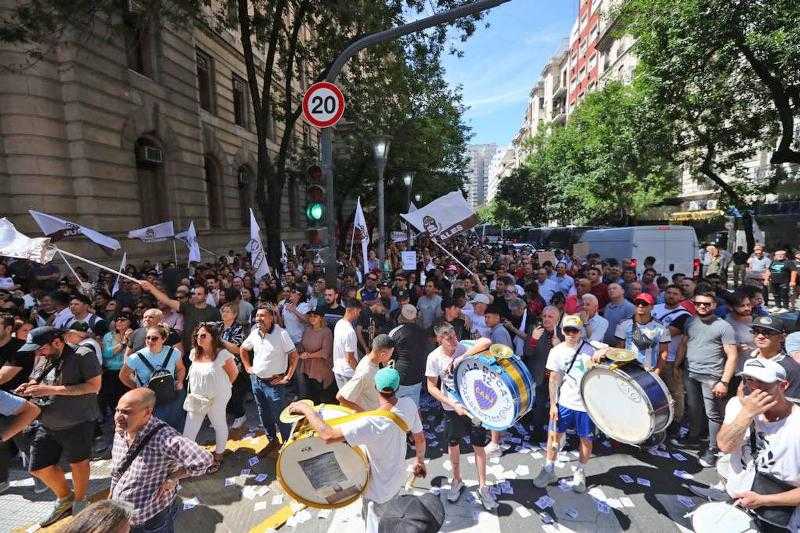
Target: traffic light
315, 199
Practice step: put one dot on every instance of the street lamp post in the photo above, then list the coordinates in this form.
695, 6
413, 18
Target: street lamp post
408, 180
326, 136
380, 150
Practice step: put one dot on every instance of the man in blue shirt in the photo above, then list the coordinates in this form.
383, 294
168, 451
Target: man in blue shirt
497, 331
617, 310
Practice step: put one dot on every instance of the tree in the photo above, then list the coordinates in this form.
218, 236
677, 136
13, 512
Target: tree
725, 75
283, 43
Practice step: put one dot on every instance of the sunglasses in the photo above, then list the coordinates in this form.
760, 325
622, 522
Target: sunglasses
641, 303
153, 338
763, 331
703, 304
571, 330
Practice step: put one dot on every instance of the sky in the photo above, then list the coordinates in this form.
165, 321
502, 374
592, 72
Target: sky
501, 63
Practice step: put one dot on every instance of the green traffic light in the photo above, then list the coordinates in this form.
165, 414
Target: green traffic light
315, 211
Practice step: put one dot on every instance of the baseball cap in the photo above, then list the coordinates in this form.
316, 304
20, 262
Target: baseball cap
407, 513
481, 299
38, 337
409, 312
402, 294
571, 321
645, 297
387, 379
452, 268
316, 311
764, 370
767, 322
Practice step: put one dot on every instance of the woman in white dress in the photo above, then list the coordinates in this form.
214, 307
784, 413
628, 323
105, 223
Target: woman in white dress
211, 374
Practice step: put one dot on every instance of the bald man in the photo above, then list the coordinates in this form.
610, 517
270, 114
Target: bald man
149, 482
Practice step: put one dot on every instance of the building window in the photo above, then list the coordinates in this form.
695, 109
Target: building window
240, 106
244, 179
139, 45
205, 80
153, 199
213, 191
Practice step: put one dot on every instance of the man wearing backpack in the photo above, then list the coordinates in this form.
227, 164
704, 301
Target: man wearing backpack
65, 384
161, 369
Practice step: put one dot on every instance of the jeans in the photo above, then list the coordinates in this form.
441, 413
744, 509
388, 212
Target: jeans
410, 391
780, 294
172, 413
312, 390
341, 381
238, 395
739, 273
163, 522
701, 403
270, 400
673, 379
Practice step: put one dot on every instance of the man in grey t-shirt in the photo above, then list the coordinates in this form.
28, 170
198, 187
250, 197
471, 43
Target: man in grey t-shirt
617, 310
710, 351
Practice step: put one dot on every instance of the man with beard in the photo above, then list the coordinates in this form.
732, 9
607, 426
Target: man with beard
332, 310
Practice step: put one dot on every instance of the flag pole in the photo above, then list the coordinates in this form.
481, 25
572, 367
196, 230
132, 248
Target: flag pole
174, 252
445, 250
352, 240
77, 277
98, 265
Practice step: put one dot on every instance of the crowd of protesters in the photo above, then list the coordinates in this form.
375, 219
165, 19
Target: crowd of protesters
160, 355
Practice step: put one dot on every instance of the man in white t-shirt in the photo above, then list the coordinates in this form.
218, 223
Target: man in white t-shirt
568, 361
383, 440
439, 371
345, 344
761, 402
359, 393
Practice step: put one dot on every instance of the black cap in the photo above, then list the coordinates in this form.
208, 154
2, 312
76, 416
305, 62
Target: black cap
316, 311
412, 514
38, 337
767, 322
402, 294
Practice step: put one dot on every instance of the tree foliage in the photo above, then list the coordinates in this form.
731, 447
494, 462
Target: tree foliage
608, 164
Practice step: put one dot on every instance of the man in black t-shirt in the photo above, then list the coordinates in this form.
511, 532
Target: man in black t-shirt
333, 310
15, 367
739, 265
411, 349
781, 277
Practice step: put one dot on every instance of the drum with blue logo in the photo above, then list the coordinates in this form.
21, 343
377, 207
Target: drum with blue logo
495, 387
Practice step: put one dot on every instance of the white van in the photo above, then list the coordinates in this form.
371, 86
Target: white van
675, 248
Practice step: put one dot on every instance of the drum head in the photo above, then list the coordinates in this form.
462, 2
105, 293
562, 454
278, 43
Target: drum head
289, 418
322, 475
620, 355
615, 404
488, 392
721, 517
500, 351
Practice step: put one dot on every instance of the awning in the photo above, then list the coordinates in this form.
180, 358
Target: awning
685, 216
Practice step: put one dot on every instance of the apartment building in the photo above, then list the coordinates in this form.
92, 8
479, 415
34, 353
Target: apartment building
480, 156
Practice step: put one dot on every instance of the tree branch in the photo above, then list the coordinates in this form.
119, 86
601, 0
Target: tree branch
246, 38
269, 65
291, 54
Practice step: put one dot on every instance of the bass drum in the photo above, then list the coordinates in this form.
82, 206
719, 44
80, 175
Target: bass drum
320, 475
627, 403
498, 391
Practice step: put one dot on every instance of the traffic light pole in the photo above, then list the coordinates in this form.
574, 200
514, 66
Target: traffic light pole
326, 139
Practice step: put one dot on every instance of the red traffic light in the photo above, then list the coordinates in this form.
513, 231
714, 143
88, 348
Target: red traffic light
315, 173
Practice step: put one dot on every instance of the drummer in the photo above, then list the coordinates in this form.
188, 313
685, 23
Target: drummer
568, 361
645, 336
384, 440
440, 367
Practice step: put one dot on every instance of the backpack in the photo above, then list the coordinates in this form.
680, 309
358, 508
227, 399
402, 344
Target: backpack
161, 381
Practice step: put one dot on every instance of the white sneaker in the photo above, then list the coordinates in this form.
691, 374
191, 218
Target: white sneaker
239, 422
579, 482
493, 450
544, 477
455, 491
487, 498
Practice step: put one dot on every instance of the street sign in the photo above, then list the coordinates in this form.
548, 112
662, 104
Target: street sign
323, 104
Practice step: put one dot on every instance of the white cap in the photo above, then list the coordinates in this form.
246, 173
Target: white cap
764, 370
481, 299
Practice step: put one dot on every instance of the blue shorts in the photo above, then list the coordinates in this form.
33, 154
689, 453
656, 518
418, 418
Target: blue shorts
577, 420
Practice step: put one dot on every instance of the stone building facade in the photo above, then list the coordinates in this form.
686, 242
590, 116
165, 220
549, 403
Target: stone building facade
117, 132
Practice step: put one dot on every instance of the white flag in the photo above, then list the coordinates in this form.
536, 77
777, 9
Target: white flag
411, 207
444, 217
284, 253
155, 233
59, 228
15, 244
194, 247
257, 256
121, 268
360, 227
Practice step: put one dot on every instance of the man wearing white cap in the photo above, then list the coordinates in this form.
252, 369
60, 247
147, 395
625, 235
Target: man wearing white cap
771, 452
568, 361
479, 304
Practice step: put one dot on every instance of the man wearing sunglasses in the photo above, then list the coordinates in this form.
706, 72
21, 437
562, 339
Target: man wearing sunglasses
645, 336
768, 335
710, 351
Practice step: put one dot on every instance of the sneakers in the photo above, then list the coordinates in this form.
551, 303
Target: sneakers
493, 450
545, 477
685, 442
79, 505
239, 422
708, 459
4, 486
487, 498
61, 509
579, 482
38, 486
455, 490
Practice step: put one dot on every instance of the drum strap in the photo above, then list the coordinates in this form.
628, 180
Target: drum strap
364, 414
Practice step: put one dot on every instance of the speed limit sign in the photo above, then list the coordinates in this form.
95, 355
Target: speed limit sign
323, 104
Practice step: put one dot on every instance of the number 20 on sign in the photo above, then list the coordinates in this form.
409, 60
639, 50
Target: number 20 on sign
323, 104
